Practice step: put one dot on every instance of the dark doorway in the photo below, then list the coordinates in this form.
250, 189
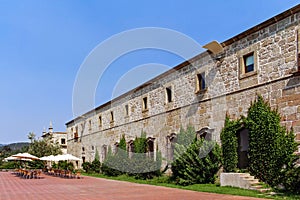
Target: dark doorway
243, 146
150, 147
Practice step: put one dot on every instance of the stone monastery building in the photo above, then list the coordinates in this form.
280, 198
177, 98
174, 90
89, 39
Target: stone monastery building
59, 138
225, 79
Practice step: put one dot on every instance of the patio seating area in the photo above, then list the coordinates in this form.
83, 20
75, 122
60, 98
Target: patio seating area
63, 173
27, 174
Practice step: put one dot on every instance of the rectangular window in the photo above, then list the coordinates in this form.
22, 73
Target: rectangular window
169, 94
63, 141
249, 62
145, 103
126, 110
111, 116
90, 124
100, 121
76, 133
201, 82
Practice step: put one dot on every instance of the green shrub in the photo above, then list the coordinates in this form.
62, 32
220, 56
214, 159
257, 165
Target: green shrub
140, 144
87, 167
144, 166
114, 165
139, 165
10, 165
96, 166
271, 147
199, 163
230, 145
65, 165
54, 166
36, 164
291, 181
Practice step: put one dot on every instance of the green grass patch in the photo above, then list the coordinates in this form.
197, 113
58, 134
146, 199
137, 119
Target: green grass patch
211, 188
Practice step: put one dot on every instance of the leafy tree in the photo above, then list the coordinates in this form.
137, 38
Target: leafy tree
122, 143
140, 144
44, 147
31, 136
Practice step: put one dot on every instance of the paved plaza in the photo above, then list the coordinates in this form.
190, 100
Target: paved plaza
48, 187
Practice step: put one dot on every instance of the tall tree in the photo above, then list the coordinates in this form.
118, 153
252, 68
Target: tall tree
271, 147
31, 136
44, 147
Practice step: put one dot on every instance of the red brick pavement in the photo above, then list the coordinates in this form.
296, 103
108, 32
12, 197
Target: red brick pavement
48, 187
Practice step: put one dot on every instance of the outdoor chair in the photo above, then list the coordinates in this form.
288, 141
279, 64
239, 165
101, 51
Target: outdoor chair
78, 174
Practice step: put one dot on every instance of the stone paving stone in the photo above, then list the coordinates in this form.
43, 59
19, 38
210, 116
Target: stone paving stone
48, 187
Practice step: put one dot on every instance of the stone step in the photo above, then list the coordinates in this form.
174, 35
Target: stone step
254, 182
264, 190
249, 178
245, 175
256, 187
246, 181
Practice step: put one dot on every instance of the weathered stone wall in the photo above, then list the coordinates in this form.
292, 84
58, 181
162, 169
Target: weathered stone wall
228, 90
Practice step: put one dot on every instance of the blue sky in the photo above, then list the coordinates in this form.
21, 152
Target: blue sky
43, 44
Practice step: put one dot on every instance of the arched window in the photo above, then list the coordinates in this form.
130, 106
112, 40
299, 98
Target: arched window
116, 146
205, 133
150, 147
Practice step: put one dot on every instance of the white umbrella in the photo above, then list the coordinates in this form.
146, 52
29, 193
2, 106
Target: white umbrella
48, 158
26, 156
15, 158
68, 157
45, 158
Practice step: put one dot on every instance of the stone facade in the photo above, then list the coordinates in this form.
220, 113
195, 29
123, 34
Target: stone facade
178, 98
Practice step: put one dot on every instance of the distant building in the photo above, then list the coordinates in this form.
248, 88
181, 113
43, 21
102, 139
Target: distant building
56, 137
